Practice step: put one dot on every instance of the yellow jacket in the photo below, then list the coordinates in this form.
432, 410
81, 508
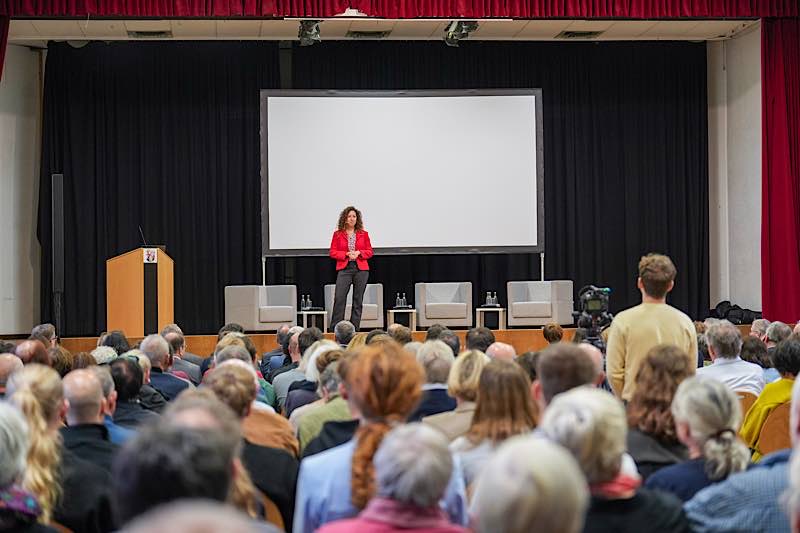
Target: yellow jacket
773, 395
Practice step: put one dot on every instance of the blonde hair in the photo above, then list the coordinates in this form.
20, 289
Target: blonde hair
713, 414
37, 391
308, 364
465, 375
590, 423
358, 340
230, 339
530, 484
233, 386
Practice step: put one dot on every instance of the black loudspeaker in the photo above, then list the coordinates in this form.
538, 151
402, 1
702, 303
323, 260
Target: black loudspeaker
57, 208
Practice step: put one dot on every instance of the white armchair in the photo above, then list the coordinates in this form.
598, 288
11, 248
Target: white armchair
448, 304
535, 303
261, 308
371, 305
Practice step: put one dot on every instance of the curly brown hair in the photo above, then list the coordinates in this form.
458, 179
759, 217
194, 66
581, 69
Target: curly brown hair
662, 370
343, 217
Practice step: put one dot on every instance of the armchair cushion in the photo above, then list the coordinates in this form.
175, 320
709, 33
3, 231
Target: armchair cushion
531, 309
446, 310
276, 313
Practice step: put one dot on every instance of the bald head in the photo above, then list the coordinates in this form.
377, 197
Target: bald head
502, 351
84, 392
157, 350
8, 365
32, 352
597, 358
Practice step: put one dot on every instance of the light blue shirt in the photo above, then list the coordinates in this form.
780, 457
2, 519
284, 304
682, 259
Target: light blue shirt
116, 433
323, 490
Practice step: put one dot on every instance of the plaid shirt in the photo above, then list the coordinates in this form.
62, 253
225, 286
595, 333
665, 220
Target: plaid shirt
748, 501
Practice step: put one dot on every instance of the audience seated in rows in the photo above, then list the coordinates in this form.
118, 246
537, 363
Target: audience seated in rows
462, 384
286, 375
276, 358
501, 351
331, 407
503, 409
652, 438
707, 415
724, 348
479, 339
343, 333
400, 333
157, 350
177, 343
238, 346
590, 423
304, 391
754, 350
552, 333
436, 358
187, 356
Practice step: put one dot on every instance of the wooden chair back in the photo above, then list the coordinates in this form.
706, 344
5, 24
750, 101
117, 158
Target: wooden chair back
746, 400
774, 434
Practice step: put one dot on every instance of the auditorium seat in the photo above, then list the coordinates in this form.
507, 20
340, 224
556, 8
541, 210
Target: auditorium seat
371, 309
448, 304
536, 303
260, 307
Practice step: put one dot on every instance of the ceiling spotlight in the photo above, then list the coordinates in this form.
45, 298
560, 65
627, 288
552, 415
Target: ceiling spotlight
309, 32
457, 30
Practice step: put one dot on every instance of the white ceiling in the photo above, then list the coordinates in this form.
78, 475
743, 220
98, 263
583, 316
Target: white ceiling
38, 31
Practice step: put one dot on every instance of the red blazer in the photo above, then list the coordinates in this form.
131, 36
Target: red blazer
339, 249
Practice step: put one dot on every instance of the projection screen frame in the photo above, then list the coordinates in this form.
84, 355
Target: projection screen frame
264, 95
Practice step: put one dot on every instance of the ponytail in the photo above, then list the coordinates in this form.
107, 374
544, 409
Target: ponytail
725, 454
362, 473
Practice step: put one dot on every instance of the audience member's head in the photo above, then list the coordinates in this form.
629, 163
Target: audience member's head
8, 365
85, 400
229, 328
724, 340
32, 352
530, 484
308, 337
759, 327
37, 391
193, 516
777, 332
451, 339
157, 350
329, 381
286, 341
14, 441
170, 328
375, 333
7, 347
660, 373
83, 360
234, 386
434, 331
707, 416
413, 466
282, 334
597, 358
504, 407
501, 350
561, 367
48, 331
400, 333
656, 276
128, 378
412, 347
343, 332
436, 358
552, 332
589, 423
118, 341
754, 350
177, 342
41, 338
61, 359
359, 340
465, 375
103, 355
702, 348
528, 362
786, 358
384, 384
232, 351
308, 364
479, 339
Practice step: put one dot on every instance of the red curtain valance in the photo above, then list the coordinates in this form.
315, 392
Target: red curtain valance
404, 8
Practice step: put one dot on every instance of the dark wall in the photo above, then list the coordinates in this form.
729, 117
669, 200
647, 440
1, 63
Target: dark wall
166, 135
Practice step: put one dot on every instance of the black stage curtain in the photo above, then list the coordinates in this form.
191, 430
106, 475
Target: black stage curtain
166, 136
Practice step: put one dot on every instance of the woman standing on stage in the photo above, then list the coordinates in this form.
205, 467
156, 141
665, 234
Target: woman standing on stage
350, 247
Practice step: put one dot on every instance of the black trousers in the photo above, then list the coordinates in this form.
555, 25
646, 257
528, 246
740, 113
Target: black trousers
349, 275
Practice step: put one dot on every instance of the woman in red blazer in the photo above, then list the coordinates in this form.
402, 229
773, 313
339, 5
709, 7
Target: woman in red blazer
350, 248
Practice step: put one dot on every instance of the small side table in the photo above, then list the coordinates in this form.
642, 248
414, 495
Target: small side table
480, 315
412, 317
314, 314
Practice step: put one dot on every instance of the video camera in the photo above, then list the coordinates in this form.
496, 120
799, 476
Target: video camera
594, 315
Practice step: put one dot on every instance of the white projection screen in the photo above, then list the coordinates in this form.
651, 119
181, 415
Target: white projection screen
431, 171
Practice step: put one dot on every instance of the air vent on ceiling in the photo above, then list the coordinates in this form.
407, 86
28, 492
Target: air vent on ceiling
579, 34
368, 34
150, 34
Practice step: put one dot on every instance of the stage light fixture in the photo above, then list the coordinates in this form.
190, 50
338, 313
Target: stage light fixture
308, 33
457, 30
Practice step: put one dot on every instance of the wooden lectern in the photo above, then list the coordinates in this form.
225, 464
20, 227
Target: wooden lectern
139, 293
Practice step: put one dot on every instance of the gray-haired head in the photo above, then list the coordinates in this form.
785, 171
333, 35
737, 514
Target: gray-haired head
412, 347
759, 327
778, 332
193, 516
413, 465
103, 374
329, 380
530, 484
14, 443
436, 358
171, 328
157, 350
282, 335
47, 331
724, 340
232, 352
344, 332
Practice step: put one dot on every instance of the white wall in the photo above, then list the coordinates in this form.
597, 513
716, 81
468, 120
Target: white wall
20, 118
734, 135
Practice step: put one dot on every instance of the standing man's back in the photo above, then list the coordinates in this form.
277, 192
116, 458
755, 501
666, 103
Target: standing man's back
653, 322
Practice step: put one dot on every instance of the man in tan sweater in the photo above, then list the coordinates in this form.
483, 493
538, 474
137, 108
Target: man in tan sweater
634, 331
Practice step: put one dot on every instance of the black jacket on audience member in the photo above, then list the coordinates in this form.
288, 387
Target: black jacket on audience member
333, 434
152, 399
433, 402
168, 385
132, 415
85, 503
651, 455
274, 472
90, 442
649, 510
